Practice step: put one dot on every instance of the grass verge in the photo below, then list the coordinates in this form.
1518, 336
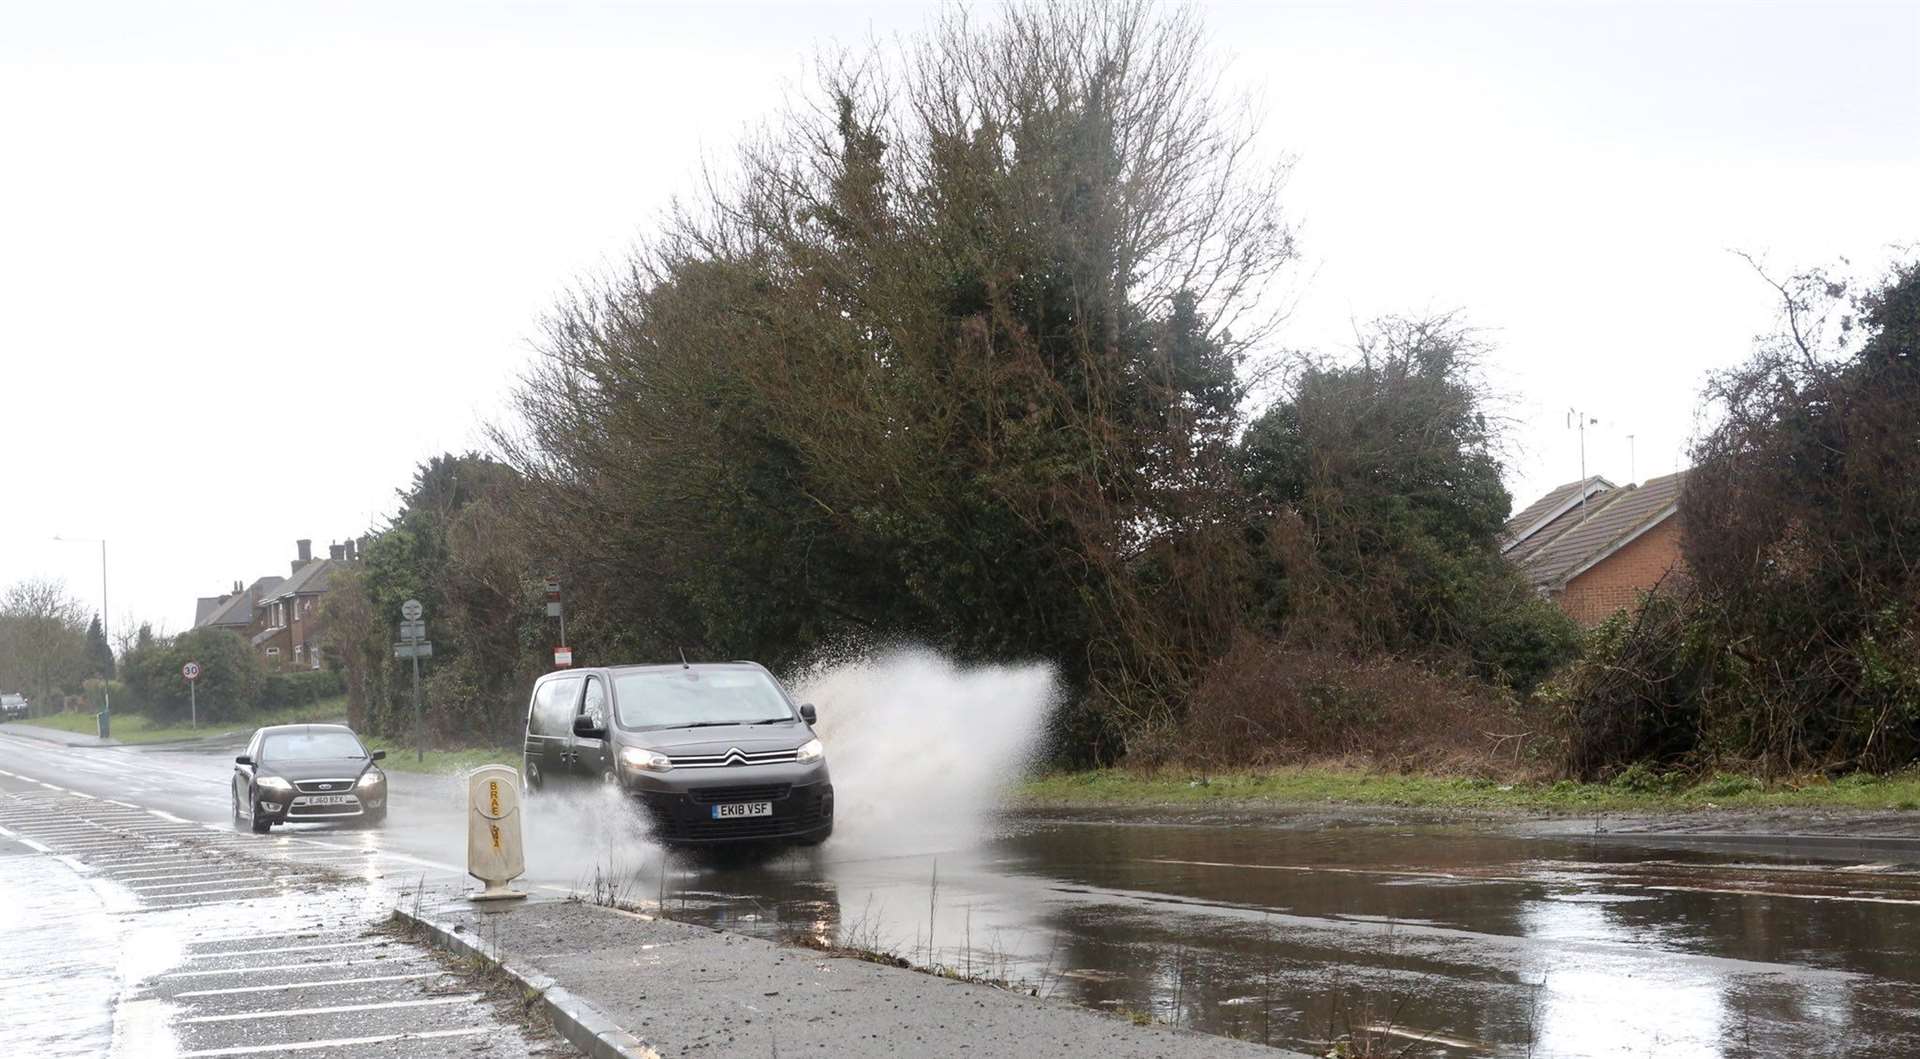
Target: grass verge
400, 756
1637, 790
138, 728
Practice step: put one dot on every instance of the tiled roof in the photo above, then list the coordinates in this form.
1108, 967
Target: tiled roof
238, 609
205, 607
1546, 510
309, 579
1607, 523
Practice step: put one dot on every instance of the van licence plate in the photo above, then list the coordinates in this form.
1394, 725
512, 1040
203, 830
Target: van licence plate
324, 799
736, 810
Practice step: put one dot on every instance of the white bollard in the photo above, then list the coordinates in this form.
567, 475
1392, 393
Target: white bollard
494, 853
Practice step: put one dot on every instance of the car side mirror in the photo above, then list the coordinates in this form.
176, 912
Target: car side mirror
584, 727
378, 755
808, 713
243, 760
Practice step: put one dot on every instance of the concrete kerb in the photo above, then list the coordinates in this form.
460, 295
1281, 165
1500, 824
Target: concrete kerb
583, 1025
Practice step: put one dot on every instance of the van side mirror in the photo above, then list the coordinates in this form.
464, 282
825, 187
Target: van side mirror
378, 755
808, 713
243, 760
584, 727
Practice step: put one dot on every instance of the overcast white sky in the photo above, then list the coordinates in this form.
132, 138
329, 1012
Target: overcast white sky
257, 260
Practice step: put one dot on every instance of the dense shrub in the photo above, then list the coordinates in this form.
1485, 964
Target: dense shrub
1268, 703
231, 676
283, 690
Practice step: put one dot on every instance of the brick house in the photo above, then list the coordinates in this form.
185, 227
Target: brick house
279, 615
1593, 547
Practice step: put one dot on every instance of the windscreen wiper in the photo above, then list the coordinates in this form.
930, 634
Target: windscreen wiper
708, 724
771, 720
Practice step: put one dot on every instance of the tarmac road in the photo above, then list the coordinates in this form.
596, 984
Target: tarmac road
1433, 939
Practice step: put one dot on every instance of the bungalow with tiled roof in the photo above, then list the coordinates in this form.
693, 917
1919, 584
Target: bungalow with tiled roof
1593, 547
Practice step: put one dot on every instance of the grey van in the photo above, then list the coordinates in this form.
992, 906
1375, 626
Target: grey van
714, 752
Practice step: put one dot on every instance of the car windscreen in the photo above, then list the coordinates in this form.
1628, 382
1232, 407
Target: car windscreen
680, 697
302, 746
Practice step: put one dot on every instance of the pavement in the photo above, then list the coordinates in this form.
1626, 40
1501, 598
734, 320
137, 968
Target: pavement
684, 989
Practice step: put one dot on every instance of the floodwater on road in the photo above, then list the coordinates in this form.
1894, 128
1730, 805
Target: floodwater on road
1293, 930
1414, 941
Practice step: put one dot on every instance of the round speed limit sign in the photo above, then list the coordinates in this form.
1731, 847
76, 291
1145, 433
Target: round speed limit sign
191, 671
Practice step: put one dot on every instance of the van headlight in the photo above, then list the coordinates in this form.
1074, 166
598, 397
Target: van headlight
637, 757
810, 751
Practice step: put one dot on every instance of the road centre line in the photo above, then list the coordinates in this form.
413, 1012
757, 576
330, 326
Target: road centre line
306, 985
391, 961
387, 1005
337, 1042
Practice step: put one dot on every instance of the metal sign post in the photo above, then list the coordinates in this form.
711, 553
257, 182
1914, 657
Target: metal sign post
413, 631
192, 672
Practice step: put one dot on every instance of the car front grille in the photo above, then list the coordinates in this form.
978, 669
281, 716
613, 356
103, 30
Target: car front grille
342, 786
765, 792
733, 756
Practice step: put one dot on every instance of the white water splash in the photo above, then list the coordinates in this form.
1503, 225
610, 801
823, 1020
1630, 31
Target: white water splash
922, 749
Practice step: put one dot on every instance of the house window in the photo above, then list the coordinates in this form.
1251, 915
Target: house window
273, 651
297, 649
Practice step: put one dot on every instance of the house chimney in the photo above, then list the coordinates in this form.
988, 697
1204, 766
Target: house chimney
306, 554
238, 588
353, 550
336, 552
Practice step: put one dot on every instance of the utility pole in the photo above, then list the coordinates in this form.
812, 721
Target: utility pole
1632, 475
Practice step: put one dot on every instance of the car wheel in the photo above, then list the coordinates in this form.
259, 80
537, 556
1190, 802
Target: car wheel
237, 824
261, 824
374, 819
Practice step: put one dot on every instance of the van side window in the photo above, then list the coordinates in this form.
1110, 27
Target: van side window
595, 704
553, 707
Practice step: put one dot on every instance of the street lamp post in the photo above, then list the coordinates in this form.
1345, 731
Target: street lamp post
106, 686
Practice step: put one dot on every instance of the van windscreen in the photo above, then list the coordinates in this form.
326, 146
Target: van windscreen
677, 698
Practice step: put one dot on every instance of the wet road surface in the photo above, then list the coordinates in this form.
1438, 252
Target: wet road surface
1405, 940
135, 933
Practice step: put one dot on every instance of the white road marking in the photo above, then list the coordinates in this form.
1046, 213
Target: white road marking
169, 817
390, 961
335, 1010
208, 874
258, 891
287, 948
337, 1042
144, 890
307, 985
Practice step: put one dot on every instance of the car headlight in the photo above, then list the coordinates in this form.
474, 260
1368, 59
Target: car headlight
637, 757
370, 778
810, 751
272, 783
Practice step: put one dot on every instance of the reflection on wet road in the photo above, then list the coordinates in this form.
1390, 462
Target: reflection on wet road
1427, 941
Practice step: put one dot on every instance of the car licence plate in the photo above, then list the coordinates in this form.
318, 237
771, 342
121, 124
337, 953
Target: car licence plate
736, 810
324, 799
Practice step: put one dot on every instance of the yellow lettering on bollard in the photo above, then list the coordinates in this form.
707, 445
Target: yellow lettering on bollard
493, 801
495, 828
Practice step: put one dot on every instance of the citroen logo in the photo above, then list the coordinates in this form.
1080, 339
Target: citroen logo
734, 757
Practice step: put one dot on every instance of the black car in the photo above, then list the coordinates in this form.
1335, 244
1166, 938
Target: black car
716, 753
13, 707
307, 772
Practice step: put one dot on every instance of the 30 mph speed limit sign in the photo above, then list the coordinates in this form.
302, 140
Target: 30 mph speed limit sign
191, 671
